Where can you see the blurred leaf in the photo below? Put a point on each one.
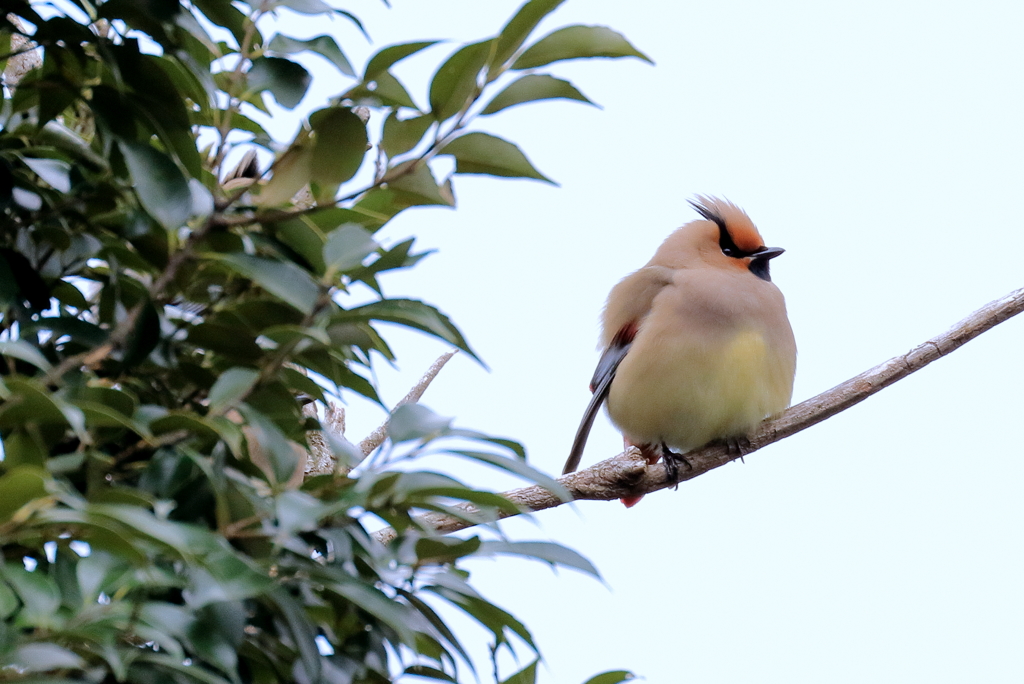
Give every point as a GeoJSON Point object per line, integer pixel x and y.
{"type": "Point", "coordinates": [18, 486]}
{"type": "Point", "coordinates": [384, 90]}
{"type": "Point", "coordinates": [323, 45]}
{"type": "Point", "coordinates": [43, 657]}
{"type": "Point", "coordinates": [39, 594]}
{"type": "Point", "coordinates": [280, 278]}
{"type": "Point", "coordinates": [30, 403]}
{"type": "Point", "coordinates": [410, 313]}
{"type": "Point", "coordinates": [303, 633]}
{"type": "Point", "coordinates": [402, 135]}
{"type": "Point", "coordinates": [304, 236]}
{"type": "Point", "coordinates": [519, 468]}
{"type": "Point", "coordinates": [416, 421]}
{"type": "Point", "coordinates": [487, 154]}
{"type": "Point", "coordinates": [346, 247]}
{"type": "Point", "coordinates": [161, 187]}
{"type": "Point", "coordinates": [20, 349]}
{"type": "Point", "coordinates": [445, 549]}
{"type": "Point", "coordinates": [533, 87]}
{"type": "Point", "coordinates": [290, 174]}
{"type": "Point", "coordinates": [264, 437]}
{"type": "Point", "coordinates": [418, 187]}
{"type": "Point", "coordinates": [340, 144]}
{"type": "Point", "coordinates": [554, 554]}
{"type": "Point", "coordinates": [28, 284]}
{"type": "Point", "coordinates": [232, 385]}
{"type": "Point", "coordinates": [519, 28]}
{"type": "Point", "coordinates": [429, 673]}
{"type": "Point", "coordinates": [487, 614]}
{"type": "Point", "coordinates": [611, 677]}
{"type": "Point", "coordinates": [577, 42]}
{"type": "Point", "coordinates": [456, 80]}
{"type": "Point", "coordinates": [55, 172]}
{"type": "Point", "coordinates": [528, 675]}
{"type": "Point", "coordinates": [284, 78]}
{"type": "Point", "coordinates": [385, 58]}
{"type": "Point", "coordinates": [144, 337]}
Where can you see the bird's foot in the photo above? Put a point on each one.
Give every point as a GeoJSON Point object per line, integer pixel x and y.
{"type": "Point", "coordinates": [738, 447]}
{"type": "Point", "coordinates": [672, 460]}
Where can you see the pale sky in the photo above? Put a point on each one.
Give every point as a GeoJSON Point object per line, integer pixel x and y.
{"type": "Point", "coordinates": [880, 144]}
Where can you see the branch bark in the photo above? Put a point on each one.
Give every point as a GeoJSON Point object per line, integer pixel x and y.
{"type": "Point", "coordinates": [628, 474]}
{"type": "Point", "coordinates": [377, 437]}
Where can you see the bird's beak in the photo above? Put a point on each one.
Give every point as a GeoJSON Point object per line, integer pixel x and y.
{"type": "Point", "coordinates": [767, 253]}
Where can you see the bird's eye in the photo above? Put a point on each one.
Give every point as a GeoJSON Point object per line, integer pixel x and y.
{"type": "Point", "coordinates": [726, 243]}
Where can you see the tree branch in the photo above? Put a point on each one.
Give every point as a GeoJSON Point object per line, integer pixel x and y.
{"type": "Point", "coordinates": [628, 474]}
{"type": "Point", "coordinates": [377, 437]}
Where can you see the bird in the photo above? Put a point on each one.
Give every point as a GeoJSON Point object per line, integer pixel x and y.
{"type": "Point", "coordinates": [696, 345]}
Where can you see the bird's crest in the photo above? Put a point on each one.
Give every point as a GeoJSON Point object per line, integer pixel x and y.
{"type": "Point", "coordinates": [730, 219]}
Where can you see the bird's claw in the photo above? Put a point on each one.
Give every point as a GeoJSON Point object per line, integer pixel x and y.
{"type": "Point", "coordinates": [672, 460]}
{"type": "Point", "coordinates": [737, 447]}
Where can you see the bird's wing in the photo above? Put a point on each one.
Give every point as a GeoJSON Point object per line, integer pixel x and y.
{"type": "Point", "coordinates": [602, 382]}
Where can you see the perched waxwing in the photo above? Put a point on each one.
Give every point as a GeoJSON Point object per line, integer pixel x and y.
{"type": "Point", "coordinates": [696, 344]}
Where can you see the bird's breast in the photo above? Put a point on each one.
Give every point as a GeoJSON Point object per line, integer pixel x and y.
{"type": "Point", "coordinates": [686, 389]}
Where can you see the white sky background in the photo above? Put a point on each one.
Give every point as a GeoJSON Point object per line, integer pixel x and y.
{"type": "Point", "coordinates": [880, 144]}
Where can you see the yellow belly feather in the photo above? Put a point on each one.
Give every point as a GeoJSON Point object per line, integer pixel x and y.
{"type": "Point", "coordinates": [687, 394]}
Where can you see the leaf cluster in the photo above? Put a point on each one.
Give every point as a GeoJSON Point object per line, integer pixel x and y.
{"type": "Point", "coordinates": [165, 324]}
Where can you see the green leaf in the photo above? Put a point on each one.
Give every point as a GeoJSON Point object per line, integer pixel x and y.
{"type": "Point", "coordinates": [162, 188]}
{"type": "Point", "coordinates": [224, 14]}
{"type": "Point", "coordinates": [232, 385]}
{"type": "Point", "coordinates": [520, 468]}
{"type": "Point", "coordinates": [39, 594]}
{"type": "Point", "coordinates": [416, 421]}
{"type": "Point", "coordinates": [19, 486]}
{"type": "Point", "coordinates": [323, 45]}
{"type": "Point", "coordinates": [55, 172]}
{"type": "Point", "coordinates": [456, 80]}
{"type": "Point", "coordinates": [402, 135]}
{"type": "Point", "coordinates": [445, 549]}
{"type": "Point", "coordinates": [418, 186]}
{"type": "Point", "coordinates": [533, 87]}
{"type": "Point", "coordinates": [488, 154]}
{"type": "Point", "coordinates": [271, 441]}
{"type": "Point", "coordinates": [611, 677]}
{"type": "Point", "coordinates": [577, 42]}
{"type": "Point", "coordinates": [303, 633]}
{"type": "Point", "coordinates": [429, 673]}
{"type": "Point", "coordinates": [347, 246]}
{"type": "Point", "coordinates": [386, 57]}
{"type": "Point", "coordinates": [373, 601]}
{"type": "Point", "coordinates": [20, 349]}
{"type": "Point", "coordinates": [284, 78]}
{"type": "Point", "coordinates": [519, 28]}
{"type": "Point", "coordinates": [280, 278]}
{"type": "Point", "coordinates": [487, 614]}
{"type": "Point", "coordinates": [240, 122]}
{"type": "Point", "coordinates": [29, 402]}
{"type": "Point", "coordinates": [384, 90]}
{"type": "Point", "coordinates": [528, 675]}
{"type": "Point", "coordinates": [412, 314]}
{"type": "Point", "coordinates": [291, 173]}
{"type": "Point", "coordinates": [549, 552]}
{"type": "Point", "coordinates": [183, 420]}
{"type": "Point", "coordinates": [339, 145]}
{"type": "Point", "coordinates": [43, 657]}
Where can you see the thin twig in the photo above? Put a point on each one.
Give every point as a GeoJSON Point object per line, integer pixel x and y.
{"type": "Point", "coordinates": [628, 474]}
{"type": "Point", "coordinates": [377, 437]}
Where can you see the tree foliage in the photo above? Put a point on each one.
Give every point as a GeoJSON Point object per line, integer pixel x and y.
{"type": "Point", "coordinates": [165, 324]}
